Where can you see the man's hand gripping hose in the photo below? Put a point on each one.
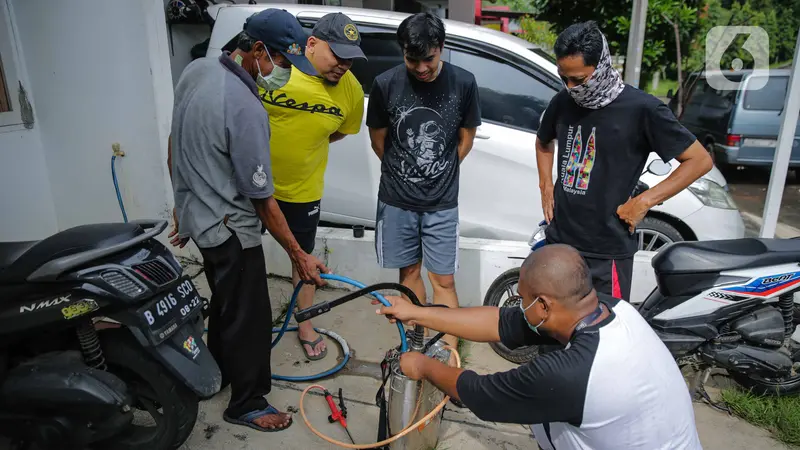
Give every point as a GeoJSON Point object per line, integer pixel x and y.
{"type": "Point", "coordinates": [403, 432]}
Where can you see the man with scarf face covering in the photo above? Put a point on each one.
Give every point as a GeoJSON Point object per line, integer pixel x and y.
{"type": "Point", "coordinates": [605, 131]}
{"type": "Point", "coordinates": [219, 162]}
{"type": "Point", "coordinates": [614, 386]}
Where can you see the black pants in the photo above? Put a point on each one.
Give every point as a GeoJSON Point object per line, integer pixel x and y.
{"type": "Point", "coordinates": [240, 322]}
{"type": "Point", "coordinates": [612, 276]}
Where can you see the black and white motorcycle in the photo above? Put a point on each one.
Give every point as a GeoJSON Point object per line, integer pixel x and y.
{"type": "Point", "coordinates": [718, 304]}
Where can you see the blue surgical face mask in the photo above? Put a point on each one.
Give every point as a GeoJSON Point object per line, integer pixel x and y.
{"type": "Point", "coordinates": [534, 328]}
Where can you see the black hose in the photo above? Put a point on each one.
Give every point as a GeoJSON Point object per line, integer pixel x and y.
{"type": "Point", "coordinates": [376, 287]}
{"type": "Point", "coordinates": [417, 336]}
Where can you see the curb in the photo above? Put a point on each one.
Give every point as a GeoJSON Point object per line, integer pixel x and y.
{"type": "Point", "coordinates": [782, 230]}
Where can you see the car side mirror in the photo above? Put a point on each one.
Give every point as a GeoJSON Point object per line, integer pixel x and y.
{"type": "Point", "coordinates": [670, 93]}
{"type": "Point", "coordinates": [659, 167]}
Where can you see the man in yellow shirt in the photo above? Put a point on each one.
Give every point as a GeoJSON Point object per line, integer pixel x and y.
{"type": "Point", "coordinates": [306, 115]}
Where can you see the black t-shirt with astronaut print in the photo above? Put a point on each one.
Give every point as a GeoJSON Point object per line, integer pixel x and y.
{"type": "Point", "coordinates": [419, 171]}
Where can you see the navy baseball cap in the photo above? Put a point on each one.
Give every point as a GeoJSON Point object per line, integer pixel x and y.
{"type": "Point", "coordinates": [341, 35]}
{"type": "Point", "coordinates": [279, 30]}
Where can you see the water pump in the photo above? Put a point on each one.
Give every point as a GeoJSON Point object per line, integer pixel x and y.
{"type": "Point", "coordinates": [410, 415]}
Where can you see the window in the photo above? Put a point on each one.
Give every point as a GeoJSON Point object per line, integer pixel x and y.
{"type": "Point", "coordinates": [11, 91]}
{"type": "Point", "coordinates": [5, 99]}
{"type": "Point", "coordinates": [543, 54]}
{"type": "Point", "coordinates": [771, 97]}
{"type": "Point", "coordinates": [382, 51]}
{"type": "Point", "coordinates": [508, 95]}
{"type": "Point", "coordinates": [720, 99]}
{"type": "Point", "coordinates": [698, 94]}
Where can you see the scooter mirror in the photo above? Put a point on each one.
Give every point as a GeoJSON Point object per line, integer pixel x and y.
{"type": "Point", "coordinates": [659, 167]}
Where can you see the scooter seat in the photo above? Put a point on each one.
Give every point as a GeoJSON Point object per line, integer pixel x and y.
{"type": "Point", "coordinates": [686, 268]}
{"type": "Point", "coordinates": [20, 259]}
{"type": "Point", "coordinates": [725, 255]}
{"type": "Point", "coordinates": [11, 251]}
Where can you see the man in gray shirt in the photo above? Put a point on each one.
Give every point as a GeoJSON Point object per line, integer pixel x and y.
{"type": "Point", "coordinates": [222, 181]}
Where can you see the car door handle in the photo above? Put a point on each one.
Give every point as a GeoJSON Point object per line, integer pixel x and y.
{"type": "Point", "coordinates": [481, 136]}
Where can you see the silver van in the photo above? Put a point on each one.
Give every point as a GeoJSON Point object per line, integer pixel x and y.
{"type": "Point", "coordinates": [739, 127]}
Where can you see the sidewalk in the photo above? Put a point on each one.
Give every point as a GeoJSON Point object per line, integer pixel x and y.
{"type": "Point", "coordinates": [369, 337]}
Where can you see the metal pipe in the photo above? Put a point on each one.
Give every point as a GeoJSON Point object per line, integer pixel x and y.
{"type": "Point", "coordinates": [633, 56]}
{"type": "Point", "coordinates": [783, 151]}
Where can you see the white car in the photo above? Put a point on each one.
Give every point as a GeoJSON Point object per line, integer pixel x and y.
{"type": "Point", "coordinates": [499, 188]}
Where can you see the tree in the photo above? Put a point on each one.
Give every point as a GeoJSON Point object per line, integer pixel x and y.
{"type": "Point", "coordinates": [538, 32]}
{"type": "Point", "coordinates": [614, 19]}
{"type": "Point", "coordinates": [679, 17]}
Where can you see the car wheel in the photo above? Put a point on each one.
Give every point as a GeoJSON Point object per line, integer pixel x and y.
{"type": "Point", "coordinates": [653, 234]}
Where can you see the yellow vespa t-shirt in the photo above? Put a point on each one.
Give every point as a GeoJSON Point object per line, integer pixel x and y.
{"type": "Point", "coordinates": [302, 116]}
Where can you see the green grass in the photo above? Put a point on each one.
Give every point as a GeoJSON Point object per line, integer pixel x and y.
{"type": "Point", "coordinates": [779, 415]}
{"type": "Point", "coordinates": [463, 352]}
{"type": "Point", "coordinates": [663, 87]}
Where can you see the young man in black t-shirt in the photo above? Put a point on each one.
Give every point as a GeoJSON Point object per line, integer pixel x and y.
{"type": "Point", "coordinates": [422, 117]}
{"type": "Point", "coordinates": [605, 131]}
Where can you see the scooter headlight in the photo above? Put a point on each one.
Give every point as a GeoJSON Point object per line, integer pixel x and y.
{"type": "Point", "coordinates": [712, 194]}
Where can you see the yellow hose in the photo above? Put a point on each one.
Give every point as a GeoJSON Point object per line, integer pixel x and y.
{"type": "Point", "coordinates": [402, 433]}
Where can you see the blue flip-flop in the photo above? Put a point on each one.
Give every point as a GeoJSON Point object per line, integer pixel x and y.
{"type": "Point", "coordinates": [248, 419]}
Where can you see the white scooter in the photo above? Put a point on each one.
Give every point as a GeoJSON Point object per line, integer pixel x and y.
{"type": "Point", "coordinates": [724, 303]}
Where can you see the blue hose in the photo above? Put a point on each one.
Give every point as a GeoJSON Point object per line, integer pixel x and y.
{"type": "Point", "coordinates": [116, 188]}
{"type": "Point", "coordinates": [290, 311]}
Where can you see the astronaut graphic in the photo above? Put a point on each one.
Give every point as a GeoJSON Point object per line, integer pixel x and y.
{"type": "Point", "coordinates": [424, 140]}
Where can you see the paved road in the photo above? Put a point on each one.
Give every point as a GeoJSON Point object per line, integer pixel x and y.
{"type": "Point", "coordinates": [748, 187]}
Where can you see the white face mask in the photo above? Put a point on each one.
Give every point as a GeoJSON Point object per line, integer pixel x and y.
{"type": "Point", "coordinates": [276, 79]}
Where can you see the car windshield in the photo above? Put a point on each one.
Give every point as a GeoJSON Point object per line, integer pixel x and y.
{"type": "Point", "coordinates": [768, 98]}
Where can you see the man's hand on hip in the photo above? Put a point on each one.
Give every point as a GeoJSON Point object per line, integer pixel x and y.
{"type": "Point", "coordinates": [547, 201]}
{"type": "Point", "coordinates": [632, 212]}
{"type": "Point", "coordinates": [309, 267]}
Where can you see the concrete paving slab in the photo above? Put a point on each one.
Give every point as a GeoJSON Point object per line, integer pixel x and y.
{"type": "Point", "coordinates": [369, 337]}
{"type": "Point", "coordinates": [721, 431]}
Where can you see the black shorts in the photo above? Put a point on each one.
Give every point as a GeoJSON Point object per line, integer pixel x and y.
{"type": "Point", "coordinates": [303, 219]}
{"type": "Point", "coordinates": [612, 276]}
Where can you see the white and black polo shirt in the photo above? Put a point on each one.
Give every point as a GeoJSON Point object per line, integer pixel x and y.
{"type": "Point", "coordinates": [615, 386]}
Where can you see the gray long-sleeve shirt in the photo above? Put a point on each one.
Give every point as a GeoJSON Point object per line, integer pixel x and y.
{"type": "Point", "coordinates": [220, 153]}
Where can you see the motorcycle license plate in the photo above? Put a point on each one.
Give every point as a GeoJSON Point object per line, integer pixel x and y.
{"type": "Point", "coordinates": [168, 312]}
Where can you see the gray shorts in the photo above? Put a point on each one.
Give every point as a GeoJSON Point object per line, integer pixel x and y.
{"type": "Point", "coordinates": [404, 238]}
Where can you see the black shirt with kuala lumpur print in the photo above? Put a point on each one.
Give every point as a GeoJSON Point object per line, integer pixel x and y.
{"type": "Point", "coordinates": [601, 155]}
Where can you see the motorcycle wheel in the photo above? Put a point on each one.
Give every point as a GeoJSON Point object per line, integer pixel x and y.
{"type": "Point", "coordinates": [496, 296]}
{"type": "Point", "coordinates": [768, 387]}
{"type": "Point", "coordinates": [171, 404]}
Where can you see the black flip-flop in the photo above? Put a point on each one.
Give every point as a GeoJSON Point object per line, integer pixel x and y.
{"type": "Point", "coordinates": [303, 344]}
{"type": "Point", "coordinates": [248, 419]}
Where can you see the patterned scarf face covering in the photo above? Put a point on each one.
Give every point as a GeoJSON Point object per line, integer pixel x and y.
{"type": "Point", "coordinates": [602, 87]}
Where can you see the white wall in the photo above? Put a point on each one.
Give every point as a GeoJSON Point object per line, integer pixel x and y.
{"type": "Point", "coordinates": [96, 73]}
{"type": "Point", "coordinates": [27, 206]}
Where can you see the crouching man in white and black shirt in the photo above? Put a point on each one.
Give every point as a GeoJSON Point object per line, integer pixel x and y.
{"type": "Point", "coordinates": [614, 386]}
